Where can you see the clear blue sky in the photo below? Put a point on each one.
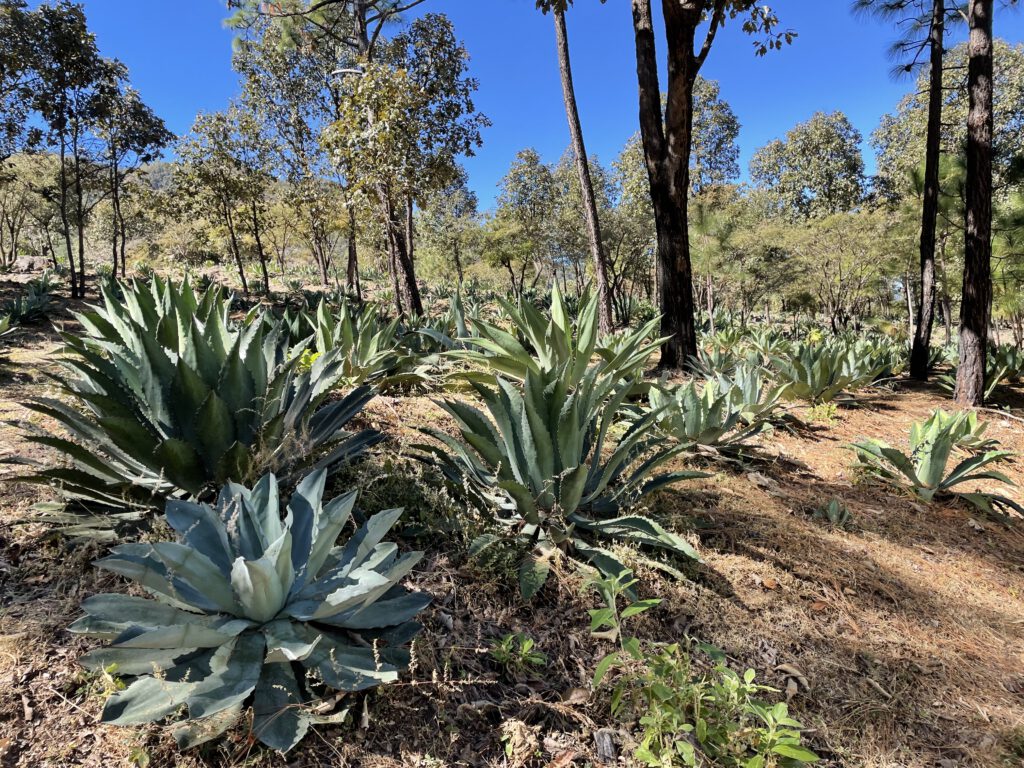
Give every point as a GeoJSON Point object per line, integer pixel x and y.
{"type": "Point", "coordinates": [181, 63]}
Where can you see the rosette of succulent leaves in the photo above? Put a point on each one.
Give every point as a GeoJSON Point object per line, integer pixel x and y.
{"type": "Point", "coordinates": [249, 607]}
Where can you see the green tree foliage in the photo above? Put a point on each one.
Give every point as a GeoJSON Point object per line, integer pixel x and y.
{"type": "Point", "coordinates": [449, 228]}
{"type": "Point", "coordinates": [519, 236]}
{"type": "Point", "coordinates": [714, 158]}
{"type": "Point", "coordinates": [404, 118]}
{"type": "Point", "coordinates": [17, 30]}
{"type": "Point", "coordinates": [222, 169]}
{"type": "Point", "coordinates": [817, 170]}
{"type": "Point", "coordinates": [899, 138]}
{"type": "Point", "coordinates": [61, 97]}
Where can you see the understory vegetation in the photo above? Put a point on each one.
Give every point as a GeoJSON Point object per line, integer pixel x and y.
{"type": "Point", "coordinates": [308, 456]}
{"type": "Point", "coordinates": [553, 441]}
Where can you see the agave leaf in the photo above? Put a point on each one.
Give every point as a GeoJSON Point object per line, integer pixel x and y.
{"type": "Point", "coordinates": [182, 465]}
{"type": "Point", "coordinates": [116, 613]}
{"type": "Point", "coordinates": [234, 671]}
{"type": "Point", "coordinates": [192, 733]}
{"type": "Point", "coordinates": [280, 718]}
{"type": "Point", "coordinates": [285, 644]}
{"type": "Point", "coordinates": [134, 661]}
{"type": "Point", "coordinates": [533, 572]}
{"type": "Point", "coordinates": [258, 586]}
{"type": "Point", "coordinates": [345, 667]}
{"type": "Point", "coordinates": [187, 635]}
{"type": "Point", "coordinates": [397, 610]}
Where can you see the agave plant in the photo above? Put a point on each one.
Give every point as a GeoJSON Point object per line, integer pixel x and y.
{"type": "Point", "coordinates": [703, 417]}
{"type": "Point", "coordinates": [243, 600]}
{"type": "Point", "coordinates": [367, 347]}
{"type": "Point", "coordinates": [768, 343]}
{"type": "Point", "coordinates": [1011, 358]}
{"type": "Point", "coordinates": [819, 373]}
{"type": "Point", "coordinates": [568, 342]}
{"type": "Point", "coordinates": [964, 428]}
{"type": "Point", "coordinates": [539, 458]}
{"type": "Point", "coordinates": [726, 339]}
{"type": "Point", "coordinates": [715, 362]}
{"type": "Point", "coordinates": [996, 372]}
{"type": "Point", "coordinates": [881, 355]}
{"type": "Point", "coordinates": [748, 393]}
{"type": "Point", "coordinates": [176, 400]}
{"type": "Point", "coordinates": [7, 326]}
{"type": "Point", "coordinates": [923, 472]}
{"type": "Point", "coordinates": [34, 304]}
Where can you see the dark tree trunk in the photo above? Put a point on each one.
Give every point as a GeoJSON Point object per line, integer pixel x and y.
{"type": "Point", "coordinates": [403, 240]}
{"type": "Point", "coordinates": [976, 305]}
{"type": "Point", "coordinates": [930, 204]}
{"type": "Point", "coordinates": [908, 290]}
{"type": "Point", "coordinates": [259, 246]}
{"type": "Point", "coordinates": [352, 271]}
{"type": "Point", "coordinates": [64, 220]}
{"type": "Point", "coordinates": [80, 216]}
{"type": "Point", "coordinates": [457, 256]}
{"type": "Point", "coordinates": [604, 299]}
{"type": "Point", "coordinates": [667, 153]}
{"type": "Point", "coordinates": [947, 302]}
{"type": "Point", "coordinates": [115, 224]}
{"type": "Point", "coordinates": [235, 250]}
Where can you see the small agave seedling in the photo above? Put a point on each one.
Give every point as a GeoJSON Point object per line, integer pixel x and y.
{"type": "Point", "coordinates": [248, 605]}
{"type": "Point", "coordinates": [835, 513]}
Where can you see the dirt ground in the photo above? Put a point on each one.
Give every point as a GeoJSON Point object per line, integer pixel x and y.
{"type": "Point", "coordinates": [908, 627]}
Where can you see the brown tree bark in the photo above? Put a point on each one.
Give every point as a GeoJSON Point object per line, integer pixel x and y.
{"type": "Point", "coordinates": [235, 250]}
{"type": "Point", "coordinates": [259, 246]}
{"type": "Point", "coordinates": [590, 216]}
{"type": "Point", "coordinates": [930, 204]}
{"type": "Point", "coordinates": [352, 272]}
{"type": "Point", "coordinates": [976, 305]}
{"type": "Point", "coordinates": [667, 145]}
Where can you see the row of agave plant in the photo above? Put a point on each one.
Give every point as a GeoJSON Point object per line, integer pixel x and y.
{"type": "Point", "coordinates": [174, 405]}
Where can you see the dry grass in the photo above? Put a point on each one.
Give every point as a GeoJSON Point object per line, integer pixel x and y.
{"type": "Point", "coordinates": [909, 628]}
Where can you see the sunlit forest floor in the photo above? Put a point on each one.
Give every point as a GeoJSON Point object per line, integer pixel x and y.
{"type": "Point", "coordinates": [900, 640]}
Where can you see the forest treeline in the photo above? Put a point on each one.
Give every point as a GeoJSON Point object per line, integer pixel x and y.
{"type": "Point", "coordinates": [339, 162]}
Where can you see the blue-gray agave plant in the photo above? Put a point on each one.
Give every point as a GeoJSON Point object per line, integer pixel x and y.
{"type": "Point", "coordinates": [247, 605]}
{"type": "Point", "coordinates": [542, 342]}
{"type": "Point", "coordinates": [540, 457]}
{"type": "Point", "coordinates": [176, 399]}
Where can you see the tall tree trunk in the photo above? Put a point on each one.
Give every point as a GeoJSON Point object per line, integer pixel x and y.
{"type": "Point", "coordinates": [604, 298]}
{"type": "Point", "coordinates": [404, 237]}
{"type": "Point", "coordinates": [458, 262]}
{"type": "Point", "coordinates": [396, 285]}
{"type": "Point", "coordinates": [259, 246]}
{"type": "Point", "coordinates": [116, 231]}
{"type": "Point", "coordinates": [65, 222]}
{"type": "Point", "coordinates": [667, 144]}
{"type": "Point", "coordinates": [930, 204]}
{"type": "Point", "coordinates": [235, 250]}
{"type": "Point", "coordinates": [947, 302]}
{"type": "Point", "coordinates": [352, 271]}
{"type": "Point", "coordinates": [124, 237]}
{"type": "Point", "coordinates": [908, 291]}
{"type": "Point", "coordinates": [80, 216]}
{"type": "Point", "coordinates": [976, 305]}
